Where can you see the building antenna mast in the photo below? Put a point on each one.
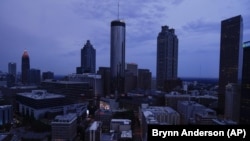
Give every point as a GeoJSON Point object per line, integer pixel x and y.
{"type": "Point", "coordinates": [118, 10]}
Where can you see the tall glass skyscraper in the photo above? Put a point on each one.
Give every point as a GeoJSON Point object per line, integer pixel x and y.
{"type": "Point", "coordinates": [245, 89]}
{"type": "Point", "coordinates": [117, 57]}
{"type": "Point", "coordinates": [25, 67]}
{"type": "Point", "coordinates": [167, 57]}
{"type": "Point", "coordinates": [88, 58]}
{"type": "Point", "coordinates": [230, 68]}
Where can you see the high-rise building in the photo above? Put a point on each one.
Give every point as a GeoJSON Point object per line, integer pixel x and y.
{"type": "Point", "coordinates": [25, 67]}
{"type": "Point", "coordinates": [105, 75]}
{"type": "Point", "coordinates": [144, 79]}
{"type": "Point", "coordinates": [47, 75]}
{"type": "Point", "coordinates": [12, 68]}
{"type": "Point", "coordinates": [245, 89]}
{"type": "Point", "coordinates": [230, 67]}
{"type": "Point", "coordinates": [88, 59]}
{"type": "Point", "coordinates": [34, 76]}
{"type": "Point", "coordinates": [131, 73]}
{"type": "Point", "coordinates": [12, 72]}
{"type": "Point", "coordinates": [167, 57]}
{"type": "Point", "coordinates": [117, 57]}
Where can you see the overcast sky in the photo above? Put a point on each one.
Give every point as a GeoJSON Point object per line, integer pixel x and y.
{"type": "Point", "coordinates": [54, 31]}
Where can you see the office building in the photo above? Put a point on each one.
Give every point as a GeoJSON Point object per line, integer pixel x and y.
{"type": "Point", "coordinates": [131, 73]}
{"type": "Point", "coordinates": [6, 114]}
{"type": "Point", "coordinates": [230, 67]}
{"type": "Point", "coordinates": [73, 90]}
{"type": "Point", "coordinates": [34, 76]}
{"type": "Point", "coordinates": [117, 57]}
{"type": "Point", "coordinates": [64, 127]}
{"type": "Point", "coordinates": [38, 102]}
{"type": "Point", "coordinates": [156, 115]}
{"type": "Point", "coordinates": [88, 59]}
{"type": "Point", "coordinates": [25, 67]}
{"type": "Point", "coordinates": [144, 79]}
{"type": "Point", "coordinates": [94, 132]}
{"type": "Point", "coordinates": [232, 102]}
{"type": "Point", "coordinates": [167, 59]}
{"type": "Point", "coordinates": [47, 75]}
{"type": "Point", "coordinates": [245, 89]}
{"type": "Point", "coordinates": [94, 81]}
{"type": "Point", "coordinates": [12, 70]}
{"type": "Point", "coordinates": [105, 75]}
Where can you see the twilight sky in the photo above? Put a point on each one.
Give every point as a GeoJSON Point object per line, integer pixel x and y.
{"type": "Point", "coordinates": [54, 31]}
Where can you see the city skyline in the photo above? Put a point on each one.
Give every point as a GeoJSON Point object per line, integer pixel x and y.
{"type": "Point", "coordinates": [60, 29]}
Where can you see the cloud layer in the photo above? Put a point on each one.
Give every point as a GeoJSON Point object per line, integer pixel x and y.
{"type": "Point", "coordinates": [54, 32]}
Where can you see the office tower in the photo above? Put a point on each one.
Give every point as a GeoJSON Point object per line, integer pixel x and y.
{"type": "Point", "coordinates": [131, 70]}
{"type": "Point", "coordinates": [117, 57]}
{"type": "Point", "coordinates": [144, 79]}
{"type": "Point", "coordinates": [47, 75]}
{"type": "Point", "coordinates": [6, 115]}
{"type": "Point", "coordinates": [12, 73]}
{"type": "Point", "coordinates": [34, 76]}
{"type": "Point", "coordinates": [132, 67]}
{"type": "Point", "coordinates": [167, 58]}
{"type": "Point", "coordinates": [88, 59]}
{"type": "Point", "coordinates": [64, 127]}
{"type": "Point", "coordinates": [12, 68]}
{"type": "Point", "coordinates": [105, 75]}
{"type": "Point", "coordinates": [245, 89]}
{"type": "Point", "coordinates": [230, 67]}
{"type": "Point", "coordinates": [25, 67]}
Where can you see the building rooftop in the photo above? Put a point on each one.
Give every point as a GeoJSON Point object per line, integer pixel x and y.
{"type": "Point", "coordinates": [40, 94]}
{"type": "Point", "coordinates": [126, 134]}
{"type": "Point", "coordinates": [68, 118]}
{"type": "Point", "coordinates": [5, 106]}
{"type": "Point", "coordinates": [124, 121]}
{"type": "Point", "coordinates": [63, 82]}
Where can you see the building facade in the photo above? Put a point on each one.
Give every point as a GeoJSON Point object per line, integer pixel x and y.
{"type": "Point", "coordinates": [64, 127]}
{"type": "Point", "coordinates": [245, 89]}
{"type": "Point", "coordinates": [230, 67]}
{"type": "Point", "coordinates": [25, 67]}
{"type": "Point", "coordinates": [232, 102]}
{"type": "Point", "coordinates": [34, 76]}
{"type": "Point", "coordinates": [117, 57]}
{"type": "Point", "coordinates": [47, 75]}
{"type": "Point", "coordinates": [12, 70]}
{"type": "Point", "coordinates": [167, 57]}
{"type": "Point", "coordinates": [6, 114]}
{"type": "Point", "coordinates": [88, 59]}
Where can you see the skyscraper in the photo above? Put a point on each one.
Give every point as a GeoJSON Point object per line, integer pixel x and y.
{"type": "Point", "coordinates": [167, 58]}
{"type": "Point", "coordinates": [230, 68]}
{"type": "Point", "coordinates": [117, 57]}
{"type": "Point", "coordinates": [12, 70]}
{"type": "Point", "coordinates": [25, 67]}
{"type": "Point", "coordinates": [245, 89]}
{"type": "Point", "coordinates": [88, 58]}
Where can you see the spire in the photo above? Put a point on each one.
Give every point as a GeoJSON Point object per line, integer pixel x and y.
{"type": "Point", "coordinates": [118, 10]}
{"type": "Point", "coordinates": [25, 54]}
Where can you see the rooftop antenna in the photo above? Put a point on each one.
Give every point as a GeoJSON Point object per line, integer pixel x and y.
{"type": "Point", "coordinates": [118, 10]}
